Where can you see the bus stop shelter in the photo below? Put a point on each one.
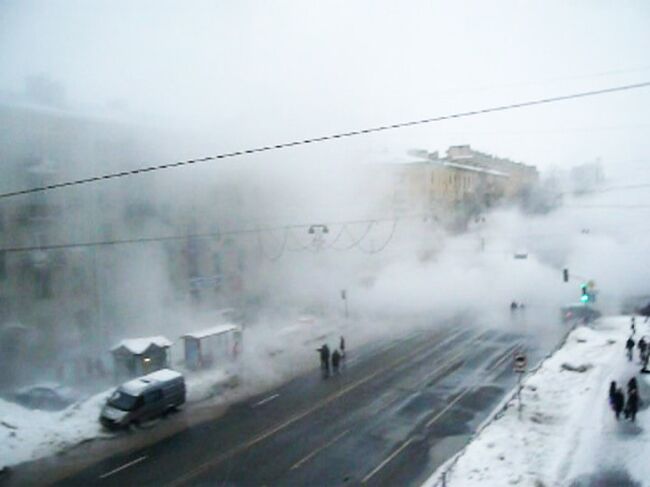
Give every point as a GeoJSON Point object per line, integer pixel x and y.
{"type": "Point", "coordinates": [215, 346]}
{"type": "Point", "coordinates": [134, 357]}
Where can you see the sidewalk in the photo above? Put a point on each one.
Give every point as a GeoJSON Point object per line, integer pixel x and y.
{"type": "Point", "coordinates": [566, 434]}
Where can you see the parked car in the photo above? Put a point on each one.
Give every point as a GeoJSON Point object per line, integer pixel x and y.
{"type": "Point", "coordinates": [144, 398]}
{"type": "Point", "coordinates": [47, 396]}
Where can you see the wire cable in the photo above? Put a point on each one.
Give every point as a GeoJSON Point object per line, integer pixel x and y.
{"type": "Point", "coordinates": [355, 243]}
{"type": "Point", "coordinates": [280, 252]}
{"type": "Point", "coordinates": [172, 238]}
{"type": "Point", "coordinates": [325, 138]}
{"type": "Point", "coordinates": [382, 246]}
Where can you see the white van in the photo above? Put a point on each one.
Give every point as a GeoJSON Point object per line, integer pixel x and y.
{"type": "Point", "coordinates": [144, 398]}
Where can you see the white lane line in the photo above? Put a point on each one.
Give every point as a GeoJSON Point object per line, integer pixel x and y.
{"type": "Point", "coordinates": [119, 469]}
{"type": "Point", "coordinates": [382, 464]}
{"type": "Point", "coordinates": [319, 449]}
{"type": "Point", "coordinates": [264, 401]}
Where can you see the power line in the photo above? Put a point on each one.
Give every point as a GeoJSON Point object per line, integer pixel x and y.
{"type": "Point", "coordinates": [326, 138]}
{"type": "Point", "coordinates": [171, 238]}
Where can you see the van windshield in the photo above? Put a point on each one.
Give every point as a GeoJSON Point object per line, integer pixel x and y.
{"type": "Point", "coordinates": [123, 401]}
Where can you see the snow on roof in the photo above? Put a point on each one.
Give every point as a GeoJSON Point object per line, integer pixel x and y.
{"type": "Point", "coordinates": [215, 330]}
{"type": "Point", "coordinates": [138, 346]}
{"type": "Point", "coordinates": [136, 386]}
{"type": "Point", "coordinates": [465, 167]}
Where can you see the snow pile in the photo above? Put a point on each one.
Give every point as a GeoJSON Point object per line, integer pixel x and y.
{"type": "Point", "coordinates": [566, 433]}
{"type": "Point", "coordinates": [27, 434]}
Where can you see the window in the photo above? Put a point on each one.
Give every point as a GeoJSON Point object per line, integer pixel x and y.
{"type": "Point", "coordinates": [153, 396]}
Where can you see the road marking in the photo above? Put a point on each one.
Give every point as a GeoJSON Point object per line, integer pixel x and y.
{"type": "Point", "coordinates": [382, 464]}
{"type": "Point", "coordinates": [119, 469]}
{"type": "Point", "coordinates": [264, 401]}
{"type": "Point", "coordinates": [463, 394]}
{"type": "Point", "coordinates": [219, 458]}
{"type": "Point", "coordinates": [437, 416]}
{"type": "Point", "coordinates": [319, 449]}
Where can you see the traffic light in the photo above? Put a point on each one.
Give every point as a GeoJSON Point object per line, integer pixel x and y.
{"type": "Point", "coordinates": [585, 294]}
{"type": "Point", "coordinates": [565, 275]}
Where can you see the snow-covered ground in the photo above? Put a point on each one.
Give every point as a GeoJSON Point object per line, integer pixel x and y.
{"type": "Point", "coordinates": [27, 434]}
{"type": "Point", "coordinates": [566, 432]}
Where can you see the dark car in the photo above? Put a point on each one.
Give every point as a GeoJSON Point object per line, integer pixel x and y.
{"type": "Point", "coordinates": [50, 397]}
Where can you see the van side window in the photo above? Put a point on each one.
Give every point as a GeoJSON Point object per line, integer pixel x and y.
{"type": "Point", "coordinates": [153, 396]}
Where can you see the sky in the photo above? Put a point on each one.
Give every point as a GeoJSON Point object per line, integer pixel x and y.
{"type": "Point", "coordinates": [239, 74]}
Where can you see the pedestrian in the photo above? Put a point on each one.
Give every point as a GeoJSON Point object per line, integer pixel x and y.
{"type": "Point", "coordinates": [324, 358]}
{"type": "Point", "coordinates": [342, 346]}
{"type": "Point", "coordinates": [644, 359]}
{"type": "Point", "coordinates": [642, 345]}
{"type": "Point", "coordinates": [612, 391]}
{"type": "Point", "coordinates": [619, 401]}
{"type": "Point", "coordinates": [633, 325]}
{"type": "Point", "coordinates": [336, 359]}
{"type": "Point", "coordinates": [632, 404]}
{"type": "Point", "coordinates": [629, 346]}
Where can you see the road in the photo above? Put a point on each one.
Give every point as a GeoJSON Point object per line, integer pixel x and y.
{"type": "Point", "coordinates": [393, 414]}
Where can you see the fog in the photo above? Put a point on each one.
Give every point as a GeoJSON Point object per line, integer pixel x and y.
{"type": "Point", "coordinates": [89, 89]}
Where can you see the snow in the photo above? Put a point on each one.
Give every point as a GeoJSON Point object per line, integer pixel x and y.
{"type": "Point", "coordinates": [215, 330]}
{"type": "Point", "coordinates": [163, 375]}
{"type": "Point", "coordinates": [27, 434]}
{"type": "Point", "coordinates": [136, 386]}
{"type": "Point", "coordinates": [138, 346]}
{"type": "Point", "coordinates": [566, 433]}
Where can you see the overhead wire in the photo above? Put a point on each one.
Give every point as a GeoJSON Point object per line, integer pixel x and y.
{"type": "Point", "coordinates": [325, 138]}
{"type": "Point", "coordinates": [384, 245]}
{"type": "Point", "coordinates": [356, 242]}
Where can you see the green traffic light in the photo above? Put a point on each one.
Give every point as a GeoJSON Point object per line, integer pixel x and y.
{"type": "Point", "coordinates": [584, 298]}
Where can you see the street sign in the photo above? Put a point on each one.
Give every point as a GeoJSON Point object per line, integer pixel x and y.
{"type": "Point", "coordinates": [520, 363]}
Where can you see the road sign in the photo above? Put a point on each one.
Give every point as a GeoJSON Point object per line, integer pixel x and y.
{"type": "Point", "coordinates": [520, 363]}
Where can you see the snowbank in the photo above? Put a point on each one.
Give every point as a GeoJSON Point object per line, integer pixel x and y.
{"type": "Point", "coordinates": [566, 433]}
{"type": "Point", "coordinates": [27, 434]}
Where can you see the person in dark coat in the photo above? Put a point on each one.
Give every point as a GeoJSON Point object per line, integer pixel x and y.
{"type": "Point", "coordinates": [612, 391]}
{"type": "Point", "coordinates": [632, 404]}
{"type": "Point", "coordinates": [324, 357]}
{"type": "Point", "coordinates": [642, 345]}
{"type": "Point", "coordinates": [342, 346]}
{"type": "Point", "coordinates": [619, 402]}
{"type": "Point", "coordinates": [629, 346]}
{"type": "Point", "coordinates": [336, 360]}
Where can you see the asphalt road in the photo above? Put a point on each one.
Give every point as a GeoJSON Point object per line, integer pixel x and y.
{"type": "Point", "coordinates": [390, 417]}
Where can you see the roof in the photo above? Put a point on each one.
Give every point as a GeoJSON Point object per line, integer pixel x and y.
{"type": "Point", "coordinates": [215, 330]}
{"type": "Point", "coordinates": [483, 170]}
{"type": "Point", "coordinates": [136, 386]}
{"type": "Point", "coordinates": [138, 346]}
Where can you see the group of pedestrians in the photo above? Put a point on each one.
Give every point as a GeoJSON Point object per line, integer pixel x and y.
{"type": "Point", "coordinates": [643, 345]}
{"type": "Point", "coordinates": [618, 402]}
{"type": "Point", "coordinates": [336, 357]}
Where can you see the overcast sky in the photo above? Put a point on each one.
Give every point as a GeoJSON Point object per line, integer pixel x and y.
{"type": "Point", "coordinates": [244, 73]}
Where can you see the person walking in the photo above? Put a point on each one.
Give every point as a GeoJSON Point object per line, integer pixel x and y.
{"type": "Point", "coordinates": [632, 404]}
{"type": "Point", "coordinates": [633, 325]}
{"type": "Point", "coordinates": [619, 402]}
{"type": "Point", "coordinates": [324, 358]}
{"type": "Point", "coordinates": [342, 346]}
{"type": "Point", "coordinates": [629, 346]}
{"type": "Point", "coordinates": [612, 391]}
{"type": "Point", "coordinates": [336, 360]}
{"type": "Point", "coordinates": [642, 345]}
